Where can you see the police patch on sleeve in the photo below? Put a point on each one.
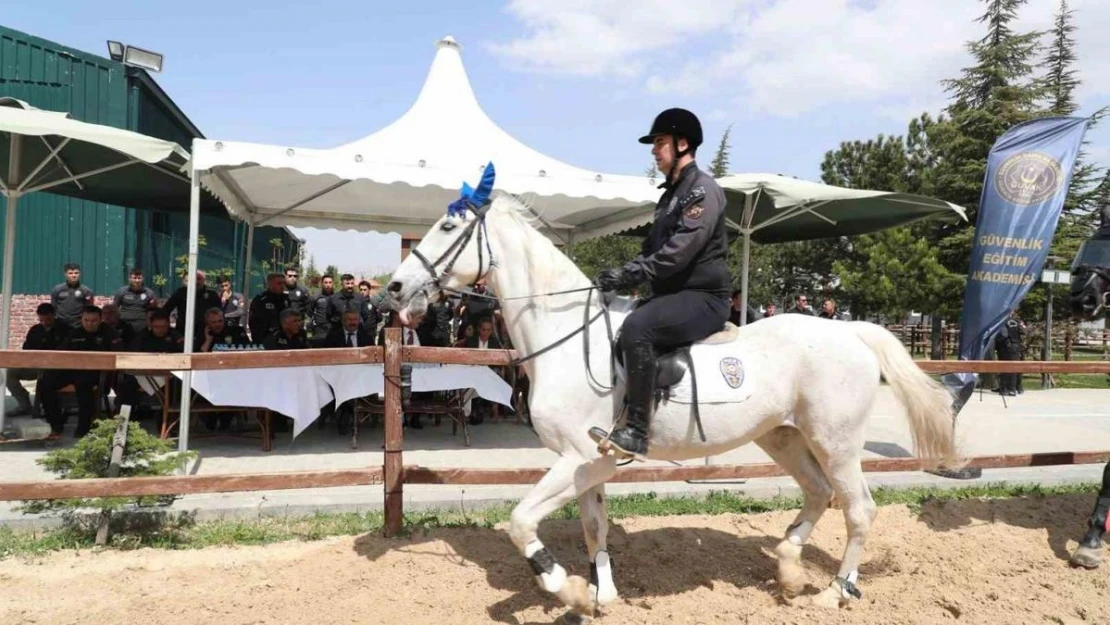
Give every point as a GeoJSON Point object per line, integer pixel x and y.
{"type": "Point", "coordinates": [694, 212]}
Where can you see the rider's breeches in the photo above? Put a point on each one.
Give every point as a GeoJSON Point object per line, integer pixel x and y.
{"type": "Point", "coordinates": [674, 319]}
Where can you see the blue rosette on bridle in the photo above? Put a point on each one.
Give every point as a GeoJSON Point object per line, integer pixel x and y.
{"type": "Point", "coordinates": [473, 199]}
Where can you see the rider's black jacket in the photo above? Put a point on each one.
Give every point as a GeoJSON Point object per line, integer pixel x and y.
{"type": "Point", "coordinates": [687, 247]}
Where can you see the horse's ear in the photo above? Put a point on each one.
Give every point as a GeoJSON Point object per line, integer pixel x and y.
{"type": "Point", "coordinates": [485, 187]}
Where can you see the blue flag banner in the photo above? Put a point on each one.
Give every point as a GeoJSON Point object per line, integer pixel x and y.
{"type": "Point", "coordinates": [1029, 170]}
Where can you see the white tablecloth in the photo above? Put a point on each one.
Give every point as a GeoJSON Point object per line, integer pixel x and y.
{"type": "Point", "coordinates": [300, 392]}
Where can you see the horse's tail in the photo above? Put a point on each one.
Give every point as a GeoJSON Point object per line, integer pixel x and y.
{"type": "Point", "coordinates": [928, 404]}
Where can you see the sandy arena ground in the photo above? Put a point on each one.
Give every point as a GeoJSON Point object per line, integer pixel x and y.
{"type": "Point", "coordinates": [968, 562]}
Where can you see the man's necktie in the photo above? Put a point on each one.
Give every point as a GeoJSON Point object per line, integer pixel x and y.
{"type": "Point", "coordinates": [351, 339]}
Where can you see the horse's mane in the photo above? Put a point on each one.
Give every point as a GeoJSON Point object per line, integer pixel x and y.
{"type": "Point", "coordinates": [517, 206]}
{"type": "Point", "coordinates": [520, 210]}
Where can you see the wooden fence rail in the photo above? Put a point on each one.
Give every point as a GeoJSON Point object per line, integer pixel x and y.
{"type": "Point", "coordinates": [392, 475]}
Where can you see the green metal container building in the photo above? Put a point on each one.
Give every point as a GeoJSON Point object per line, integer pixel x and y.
{"type": "Point", "coordinates": [106, 240]}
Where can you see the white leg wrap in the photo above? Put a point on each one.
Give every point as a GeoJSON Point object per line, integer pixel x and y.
{"type": "Point", "coordinates": [605, 591]}
{"type": "Point", "coordinates": [553, 580]}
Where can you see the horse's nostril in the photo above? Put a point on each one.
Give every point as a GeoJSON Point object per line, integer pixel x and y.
{"type": "Point", "coordinates": [394, 287]}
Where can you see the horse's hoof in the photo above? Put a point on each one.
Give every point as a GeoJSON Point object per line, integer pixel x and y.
{"type": "Point", "coordinates": [829, 598]}
{"type": "Point", "coordinates": [575, 594]}
{"type": "Point", "coordinates": [1087, 557]}
{"type": "Point", "coordinates": [791, 575]}
{"type": "Point", "coordinates": [573, 618]}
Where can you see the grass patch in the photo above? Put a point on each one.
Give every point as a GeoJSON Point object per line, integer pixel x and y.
{"type": "Point", "coordinates": [182, 533]}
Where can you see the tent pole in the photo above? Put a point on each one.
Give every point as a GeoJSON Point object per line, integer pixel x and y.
{"type": "Point", "coordinates": [190, 309]}
{"type": "Point", "coordinates": [745, 226]}
{"type": "Point", "coordinates": [744, 278]}
{"type": "Point", "coordinates": [9, 260]}
{"type": "Point", "coordinates": [248, 259]}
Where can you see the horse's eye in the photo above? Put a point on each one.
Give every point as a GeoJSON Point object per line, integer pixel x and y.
{"type": "Point", "coordinates": [447, 226]}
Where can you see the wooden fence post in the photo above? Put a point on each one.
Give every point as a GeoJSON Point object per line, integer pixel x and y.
{"type": "Point", "coordinates": [393, 469]}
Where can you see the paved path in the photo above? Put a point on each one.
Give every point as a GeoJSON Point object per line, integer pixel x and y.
{"type": "Point", "coordinates": [1038, 421]}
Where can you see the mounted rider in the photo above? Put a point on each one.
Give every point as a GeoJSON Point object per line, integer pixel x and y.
{"type": "Point", "coordinates": [685, 257]}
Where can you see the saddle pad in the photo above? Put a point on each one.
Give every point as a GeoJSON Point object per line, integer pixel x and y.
{"type": "Point", "coordinates": [720, 374]}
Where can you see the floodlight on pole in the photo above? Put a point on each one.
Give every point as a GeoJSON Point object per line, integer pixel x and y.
{"type": "Point", "coordinates": [115, 50]}
{"type": "Point", "coordinates": [135, 57]}
{"type": "Point", "coordinates": [138, 57]}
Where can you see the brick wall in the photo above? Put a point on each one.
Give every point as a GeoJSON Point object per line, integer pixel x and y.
{"type": "Point", "coordinates": [23, 315]}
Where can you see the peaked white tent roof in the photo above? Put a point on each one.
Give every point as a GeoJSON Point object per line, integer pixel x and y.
{"type": "Point", "coordinates": [402, 177]}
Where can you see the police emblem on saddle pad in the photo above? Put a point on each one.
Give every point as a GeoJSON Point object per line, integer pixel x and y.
{"type": "Point", "coordinates": [733, 371]}
{"type": "Point", "coordinates": [727, 385]}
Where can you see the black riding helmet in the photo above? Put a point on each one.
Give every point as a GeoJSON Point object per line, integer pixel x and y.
{"type": "Point", "coordinates": [679, 123]}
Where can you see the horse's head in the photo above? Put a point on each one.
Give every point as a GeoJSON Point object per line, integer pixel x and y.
{"type": "Point", "coordinates": [454, 253]}
{"type": "Point", "coordinates": [1090, 279]}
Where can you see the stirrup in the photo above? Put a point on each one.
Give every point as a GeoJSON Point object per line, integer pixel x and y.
{"type": "Point", "coordinates": [606, 447]}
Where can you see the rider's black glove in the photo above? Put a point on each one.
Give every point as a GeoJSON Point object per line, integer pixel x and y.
{"type": "Point", "coordinates": [612, 279]}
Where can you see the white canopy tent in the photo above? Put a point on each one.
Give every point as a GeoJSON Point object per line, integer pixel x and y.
{"type": "Point", "coordinates": [402, 177]}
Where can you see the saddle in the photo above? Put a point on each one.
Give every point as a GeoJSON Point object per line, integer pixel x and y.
{"type": "Point", "coordinates": [672, 363]}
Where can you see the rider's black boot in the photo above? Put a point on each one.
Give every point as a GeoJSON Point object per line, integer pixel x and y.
{"type": "Point", "coordinates": [632, 439]}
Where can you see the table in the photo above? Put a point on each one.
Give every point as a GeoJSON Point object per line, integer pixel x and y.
{"type": "Point", "coordinates": [301, 392]}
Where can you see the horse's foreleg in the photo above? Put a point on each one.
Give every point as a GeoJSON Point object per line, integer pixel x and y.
{"type": "Point", "coordinates": [1089, 552]}
{"type": "Point", "coordinates": [595, 524]}
{"type": "Point", "coordinates": [568, 477]}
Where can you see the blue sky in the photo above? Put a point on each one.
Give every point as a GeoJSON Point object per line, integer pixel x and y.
{"type": "Point", "coordinates": [579, 80]}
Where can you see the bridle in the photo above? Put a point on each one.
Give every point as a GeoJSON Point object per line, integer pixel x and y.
{"type": "Point", "coordinates": [477, 227]}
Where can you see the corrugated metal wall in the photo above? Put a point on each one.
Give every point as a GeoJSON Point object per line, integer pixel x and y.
{"type": "Point", "coordinates": [106, 240]}
{"type": "Point", "coordinates": [52, 230]}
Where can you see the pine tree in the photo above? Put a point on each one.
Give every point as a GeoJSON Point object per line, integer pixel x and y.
{"type": "Point", "coordinates": [995, 94]}
{"type": "Point", "coordinates": [652, 172]}
{"type": "Point", "coordinates": [1003, 61]}
{"type": "Point", "coordinates": [719, 166]}
{"type": "Point", "coordinates": [1062, 79]}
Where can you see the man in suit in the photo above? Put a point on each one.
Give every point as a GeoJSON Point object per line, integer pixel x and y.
{"type": "Point", "coordinates": [409, 336]}
{"type": "Point", "coordinates": [484, 339]}
{"type": "Point", "coordinates": [350, 333]}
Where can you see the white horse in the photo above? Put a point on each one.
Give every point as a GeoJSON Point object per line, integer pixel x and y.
{"type": "Point", "coordinates": [814, 381]}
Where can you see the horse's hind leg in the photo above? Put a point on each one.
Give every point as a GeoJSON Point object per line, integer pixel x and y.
{"type": "Point", "coordinates": [787, 446]}
{"type": "Point", "coordinates": [595, 524]}
{"type": "Point", "coordinates": [1089, 552]}
{"type": "Point", "coordinates": [568, 477]}
{"type": "Point", "coordinates": [846, 475]}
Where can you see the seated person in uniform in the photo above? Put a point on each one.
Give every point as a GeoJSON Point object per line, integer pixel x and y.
{"type": "Point", "coordinates": [218, 332]}
{"type": "Point", "coordinates": [290, 335]}
{"type": "Point", "coordinates": [92, 336]}
{"type": "Point", "coordinates": [47, 334]}
{"type": "Point", "coordinates": [157, 338]}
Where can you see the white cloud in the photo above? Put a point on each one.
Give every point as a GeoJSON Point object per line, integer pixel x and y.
{"type": "Point", "coordinates": [783, 57]}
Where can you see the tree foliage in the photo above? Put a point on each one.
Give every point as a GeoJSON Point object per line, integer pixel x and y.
{"type": "Point", "coordinates": [143, 455]}
{"type": "Point", "coordinates": [718, 167]}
